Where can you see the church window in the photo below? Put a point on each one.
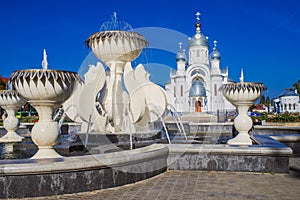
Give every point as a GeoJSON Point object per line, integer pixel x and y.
{"type": "Point", "coordinates": [215, 89]}
{"type": "Point", "coordinates": [284, 106]}
{"type": "Point", "coordinates": [294, 106]}
{"type": "Point", "coordinates": [174, 91]}
{"type": "Point", "coordinates": [290, 106]}
{"type": "Point", "coordinates": [181, 90]}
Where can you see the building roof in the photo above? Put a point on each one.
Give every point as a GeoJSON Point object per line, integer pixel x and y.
{"type": "Point", "coordinates": [4, 79]}
{"type": "Point", "coordinates": [288, 92]}
{"type": "Point", "coordinates": [215, 55]}
{"type": "Point", "coordinates": [199, 38]}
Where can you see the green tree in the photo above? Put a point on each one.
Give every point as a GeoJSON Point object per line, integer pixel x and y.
{"type": "Point", "coordinates": [297, 86]}
{"type": "Point", "coordinates": [268, 102]}
{"type": "Point", "coordinates": [262, 100]}
{"type": "Point", "coordinates": [2, 84]}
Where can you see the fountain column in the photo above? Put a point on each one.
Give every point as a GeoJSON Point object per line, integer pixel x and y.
{"type": "Point", "coordinates": [114, 101]}
{"type": "Point", "coordinates": [115, 48]}
{"type": "Point", "coordinates": [242, 95]}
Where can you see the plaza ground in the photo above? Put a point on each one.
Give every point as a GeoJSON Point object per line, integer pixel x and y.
{"type": "Point", "coordinates": [188, 185]}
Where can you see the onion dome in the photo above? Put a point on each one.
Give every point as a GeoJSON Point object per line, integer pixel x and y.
{"type": "Point", "coordinates": [199, 38]}
{"type": "Point", "coordinates": [215, 55]}
{"type": "Point", "coordinates": [181, 54]}
{"type": "Point", "coordinates": [197, 89]}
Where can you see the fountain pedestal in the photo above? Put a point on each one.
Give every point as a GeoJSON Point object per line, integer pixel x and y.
{"type": "Point", "coordinates": [10, 101]}
{"type": "Point", "coordinates": [45, 132]}
{"type": "Point", "coordinates": [242, 124]}
{"type": "Point", "coordinates": [45, 90]}
{"type": "Point", "coordinates": [242, 95]}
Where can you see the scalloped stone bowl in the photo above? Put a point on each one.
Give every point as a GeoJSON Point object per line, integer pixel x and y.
{"type": "Point", "coordinates": [11, 98]}
{"type": "Point", "coordinates": [242, 92]}
{"type": "Point", "coordinates": [242, 95]}
{"type": "Point", "coordinates": [11, 101]}
{"type": "Point", "coordinates": [45, 90]}
{"type": "Point", "coordinates": [116, 45]}
{"type": "Point", "coordinates": [41, 84]}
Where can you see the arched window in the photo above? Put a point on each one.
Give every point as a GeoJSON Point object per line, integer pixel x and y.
{"type": "Point", "coordinates": [294, 106]}
{"type": "Point", "coordinates": [290, 106]}
{"type": "Point", "coordinates": [284, 106]}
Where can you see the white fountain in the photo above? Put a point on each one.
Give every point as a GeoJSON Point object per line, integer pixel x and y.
{"type": "Point", "coordinates": [11, 101]}
{"type": "Point", "coordinates": [117, 110]}
{"type": "Point", "coordinates": [45, 90]}
{"type": "Point", "coordinates": [242, 95]}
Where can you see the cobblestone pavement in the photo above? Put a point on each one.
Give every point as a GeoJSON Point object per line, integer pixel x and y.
{"type": "Point", "coordinates": [188, 185]}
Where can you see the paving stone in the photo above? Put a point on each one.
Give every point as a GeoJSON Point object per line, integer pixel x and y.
{"type": "Point", "coordinates": [176, 185]}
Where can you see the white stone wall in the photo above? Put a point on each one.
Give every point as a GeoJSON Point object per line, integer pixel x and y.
{"type": "Point", "coordinates": [289, 104]}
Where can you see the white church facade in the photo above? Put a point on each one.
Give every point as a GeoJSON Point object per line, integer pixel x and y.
{"type": "Point", "coordinates": [288, 101]}
{"type": "Point", "coordinates": [194, 86]}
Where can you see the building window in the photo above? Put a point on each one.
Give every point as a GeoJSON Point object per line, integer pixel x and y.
{"type": "Point", "coordinates": [284, 106]}
{"type": "Point", "coordinates": [181, 90]}
{"type": "Point", "coordinates": [294, 106]}
{"type": "Point", "coordinates": [174, 91]}
{"type": "Point", "coordinates": [215, 89]}
{"type": "Point", "coordinates": [290, 106]}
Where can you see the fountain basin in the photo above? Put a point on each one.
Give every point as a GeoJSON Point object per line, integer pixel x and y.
{"type": "Point", "coordinates": [246, 92]}
{"type": "Point", "coordinates": [268, 155]}
{"type": "Point", "coordinates": [45, 90]}
{"type": "Point", "coordinates": [45, 177]}
{"type": "Point", "coordinates": [44, 84]}
{"type": "Point", "coordinates": [116, 45]}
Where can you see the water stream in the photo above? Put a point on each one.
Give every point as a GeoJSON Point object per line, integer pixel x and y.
{"type": "Point", "coordinates": [177, 120]}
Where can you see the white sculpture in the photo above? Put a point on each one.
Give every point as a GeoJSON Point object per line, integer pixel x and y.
{"type": "Point", "coordinates": [242, 95]}
{"type": "Point", "coordinates": [117, 110]}
{"type": "Point", "coordinates": [11, 102]}
{"type": "Point", "coordinates": [45, 90]}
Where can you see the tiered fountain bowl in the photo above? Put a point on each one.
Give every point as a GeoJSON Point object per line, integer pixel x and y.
{"type": "Point", "coordinates": [242, 95]}
{"type": "Point", "coordinates": [112, 46]}
{"type": "Point", "coordinates": [45, 90]}
{"type": "Point", "coordinates": [11, 101]}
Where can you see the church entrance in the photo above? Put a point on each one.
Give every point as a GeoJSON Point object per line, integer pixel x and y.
{"type": "Point", "coordinates": [198, 106]}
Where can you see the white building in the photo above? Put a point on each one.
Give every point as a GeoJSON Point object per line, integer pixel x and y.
{"type": "Point", "coordinates": [288, 101]}
{"type": "Point", "coordinates": [194, 86]}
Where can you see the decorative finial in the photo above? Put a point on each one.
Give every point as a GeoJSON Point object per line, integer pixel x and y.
{"type": "Point", "coordinates": [215, 44]}
{"type": "Point", "coordinates": [242, 76]}
{"type": "Point", "coordinates": [198, 25]}
{"type": "Point", "coordinates": [198, 16]}
{"type": "Point", "coordinates": [180, 46]}
{"type": "Point", "coordinates": [45, 61]}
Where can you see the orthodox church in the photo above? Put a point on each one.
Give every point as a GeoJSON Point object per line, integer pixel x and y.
{"type": "Point", "coordinates": [194, 86]}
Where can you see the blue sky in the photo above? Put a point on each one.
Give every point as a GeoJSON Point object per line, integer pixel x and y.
{"type": "Point", "coordinates": [260, 36]}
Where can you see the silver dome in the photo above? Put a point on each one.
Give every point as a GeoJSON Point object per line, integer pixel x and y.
{"type": "Point", "coordinates": [180, 56]}
{"type": "Point", "coordinates": [197, 89]}
{"type": "Point", "coordinates": [215, 55]}
{"type": "Point", "coordinates": [198, 39]}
